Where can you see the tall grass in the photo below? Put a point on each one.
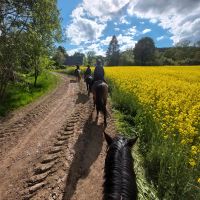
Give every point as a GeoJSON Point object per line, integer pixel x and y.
{"type": "Point", "coordinates": [22, 93]}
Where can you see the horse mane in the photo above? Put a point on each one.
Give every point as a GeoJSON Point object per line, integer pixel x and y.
{"type": "Point", "coordinates": [120, 179]}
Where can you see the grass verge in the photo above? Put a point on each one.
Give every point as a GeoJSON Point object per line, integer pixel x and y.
{"type": "Point", "coordinates": [126, 126]}
{"type": "Point", "coordinates": [22, 93]}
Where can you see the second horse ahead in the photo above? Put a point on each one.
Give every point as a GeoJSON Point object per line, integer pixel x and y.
{"type": "Point", "coordinates": [100, 95]}
{"type": "Point", "coordinates": [99, 90]}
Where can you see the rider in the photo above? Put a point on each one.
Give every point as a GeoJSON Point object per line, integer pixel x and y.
{"type": "Point", "coordinates": [88, 72]}
{"type": "Point", "coordinates": [98, 77]}
{"type": "Point", "coordinates": [99, 71]}
{"type": "Point", "coordinates": [77, 72]}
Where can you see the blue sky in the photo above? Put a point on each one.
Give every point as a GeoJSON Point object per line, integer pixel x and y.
{"type": "Point", "coordinates": [89, 24]}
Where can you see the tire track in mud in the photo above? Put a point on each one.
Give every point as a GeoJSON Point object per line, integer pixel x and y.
{"type": "Point", "coordinates": [52, 163]}
{"type": "Point", "coordinates": [49, 175]}
{"type": "Point", "coordinates": [11, 130]}
{"type": "Point", "coordinates": [25, 147]}
{"type": "Point", "coordinates": [71, 163]}
{"type": "Point", "coordinates": [78, 146]}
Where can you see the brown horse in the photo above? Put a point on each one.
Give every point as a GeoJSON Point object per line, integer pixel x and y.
{"type": "Point", "coordinates": [89, 82]}
{"type": "Point", "coordinates": [100, 94]}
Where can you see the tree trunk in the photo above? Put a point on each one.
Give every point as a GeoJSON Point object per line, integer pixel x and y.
{"type": "Point", "coordinates": [2, 91]}
{"type": "Point", "coordinates": [36, 74]}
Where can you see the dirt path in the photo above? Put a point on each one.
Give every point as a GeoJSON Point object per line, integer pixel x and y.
{"type": "Point", "coordinates": [53, 148]}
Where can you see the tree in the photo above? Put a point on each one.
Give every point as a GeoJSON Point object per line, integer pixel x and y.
{"type": "Point", "coordinates": [112, 54]}
{"type": "Point", "coordinates": [60, 56]}
{"type": "Point", "coordinates": [183, 43]}
{"type": "Point", "coordinates": [126, 58]}
{"type": "Point", "coordinates": [144, 51]}
{"type": "Point", "coordinates": [91, 56]}
{"type": "Point", "coordinates": [28, 31]}
{"type": "Point", "coordinates": [62, 50]}
{"type": "Point", "coordinates": [197, 44]}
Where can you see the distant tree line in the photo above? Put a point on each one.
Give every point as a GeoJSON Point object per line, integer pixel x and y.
{"type": "Point", "coordinates": [61, 58]}
{"type": "Point", "coordinates": [143, 54]}
{"type": "Point", "coordinates": [28, 30]}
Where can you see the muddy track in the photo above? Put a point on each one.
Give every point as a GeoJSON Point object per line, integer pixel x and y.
{"type": "Point", "coordinates": [54, 148]}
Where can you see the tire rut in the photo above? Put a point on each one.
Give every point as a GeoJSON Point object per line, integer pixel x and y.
{"type": "Point", "coordinates": [26, 146]}
{"type": "Point", "coordinates": [54, 165]}
{"type": "Point", "coordinates": [10, 132]}
{"type": "Point", "coordinates": [72, 160]}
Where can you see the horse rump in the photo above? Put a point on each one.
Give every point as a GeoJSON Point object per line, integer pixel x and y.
{"type": "Point", "coordinates": [101, 94]}
{"type": "Point", "coordinates": [89, 82]}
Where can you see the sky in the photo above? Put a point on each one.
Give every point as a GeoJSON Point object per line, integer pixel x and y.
{"type": "Point", "coordinates": [88, 25]}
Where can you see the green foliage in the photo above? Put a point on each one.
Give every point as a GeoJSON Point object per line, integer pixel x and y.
{"type": "Point", "coordinates": [112, 54]}
{"type": "Point", "coordinates": [126, 58]}
{"type": "Point", "coordinates": [23, 92]}
{"type": "Point", "coordinates": [144, 52]}
{"type": "Point", "coordinates": [28, 31]}
{"type": "Point", "coordinates": [60, 56]}
{"type": "Point", "coordinates": [90, 58]}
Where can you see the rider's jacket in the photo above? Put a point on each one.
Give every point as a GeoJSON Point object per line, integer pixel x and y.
{"type": "Point", "coordinates": [99, 73]}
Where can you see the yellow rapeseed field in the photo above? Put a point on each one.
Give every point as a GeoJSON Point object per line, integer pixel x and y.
{"type": "Point", "coordinates": [171, 95]}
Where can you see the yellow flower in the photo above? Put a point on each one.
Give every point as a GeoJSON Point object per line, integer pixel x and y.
{"type": "Point", "coordinates": [183, 141]}
{"type": "Point", "coordinates": [166, 136]}
{"type": "Point", "coordinates": [192, 162]}
{"type": "Point", "coordinates": [170, 95]}
{"type": "Point", "coordinates": [194, 150]}
{"type": "Point", "coordinates": [198, 180]}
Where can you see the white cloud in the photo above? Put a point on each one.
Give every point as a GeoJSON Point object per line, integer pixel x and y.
{"type": "Point", "coordinates": [181, 19]}
{"type": "Point", "coordinates": [90, 18]}
{"type": "Point", "coordinates": [153, 21]}
{"type": "Point", "coordinates": [123, 20]}
{"type": "Point", "coordinates": [160, 38]}
{"type": "Point", "coordinates": [78, 12]}
{"type": "Point", "coordinates": [104, 8]}
{"type": "Point", "coordinates": [147, 30]}
{"type": "Point", "coordinates": [84, 30]}
{"type": "Point", "coordinates": [72, 51]}
{"type": "Point", "coordinates": [96, 47]}
{"type": "Point", "coordinates": [125, 42]}
{"type": "Point", "coordinates": [106, 41]}
{"type": "Point", "coordinates": [131, 31]}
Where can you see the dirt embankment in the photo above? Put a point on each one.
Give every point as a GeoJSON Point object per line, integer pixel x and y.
{"type": "Point", "coordinates": [54, 148]}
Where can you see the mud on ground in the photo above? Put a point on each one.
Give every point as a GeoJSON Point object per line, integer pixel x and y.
{"type": "Point", "coordinates": [54, 148]}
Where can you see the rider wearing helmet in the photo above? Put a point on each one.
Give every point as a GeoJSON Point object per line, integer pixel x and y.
{"type": "Point", "coordinates": [99, 71]}
{"type": "Point", "coordinates": [98, 77]}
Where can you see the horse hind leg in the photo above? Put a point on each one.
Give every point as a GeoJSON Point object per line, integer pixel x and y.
{"type": "Point", "coordinates": [105, 116]}
{"type": "Point", "coordinates": [97, 109]}
{"type": "Point", "coordinates": [94, 100]}
{"type": "Point", "coordinates": [88, 89]}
